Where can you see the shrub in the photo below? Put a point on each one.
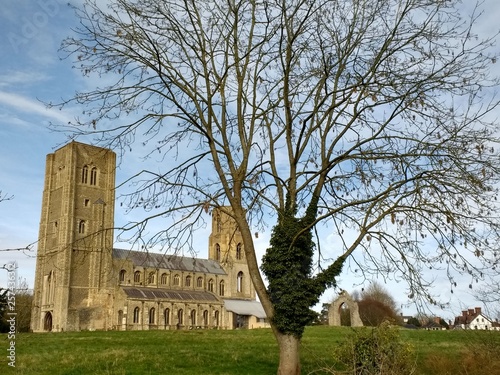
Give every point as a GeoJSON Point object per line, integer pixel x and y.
{"type": "Point", "coordinates": [376, 351]}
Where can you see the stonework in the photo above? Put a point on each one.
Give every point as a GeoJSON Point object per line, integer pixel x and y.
{"type": "Point", "coordinates": [334, 310]}
{"type": "Point", "coordinates": [83, 283]}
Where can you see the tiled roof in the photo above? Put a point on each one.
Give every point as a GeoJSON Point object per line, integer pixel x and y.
{"type": "Point", "coordinates": [169, 294]}
{"type": "Point", "coordinates": [170, 262]}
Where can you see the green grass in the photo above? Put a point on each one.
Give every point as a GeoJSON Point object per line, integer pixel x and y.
{"type": "Point", "coordinates": [218, 352]}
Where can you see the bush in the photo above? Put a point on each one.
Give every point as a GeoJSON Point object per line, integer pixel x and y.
{"type": "Point", "coordinates": [376, 351]}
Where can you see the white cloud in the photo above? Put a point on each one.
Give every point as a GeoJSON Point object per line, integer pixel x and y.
{"type": "Point", "coordinates": [30, 106]}
{"type": "Point", "coordinates": [15, 78]}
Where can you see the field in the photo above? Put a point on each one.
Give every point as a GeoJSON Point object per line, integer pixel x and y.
{"type": "Point", "coordinates": [233, 352]}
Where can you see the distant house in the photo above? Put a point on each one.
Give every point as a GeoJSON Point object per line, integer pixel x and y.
{"type": "Point", "coordinates": [476, 320]}
{"type": "Point", "coordinates": [405, 318]}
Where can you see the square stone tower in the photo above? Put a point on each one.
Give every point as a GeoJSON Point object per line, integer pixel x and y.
{"type": "Point", "coordinates": [225, 245]}
{"type": "Point", "coordinates": [73, 289]}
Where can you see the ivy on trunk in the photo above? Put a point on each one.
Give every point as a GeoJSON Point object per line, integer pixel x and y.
{"type": "Point", "coordinates": [287, 264]}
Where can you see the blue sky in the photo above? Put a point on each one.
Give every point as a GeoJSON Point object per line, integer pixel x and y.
{"type": "Point", "coordinates": [31, 72]}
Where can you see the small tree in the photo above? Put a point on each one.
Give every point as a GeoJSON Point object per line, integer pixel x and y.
{"type": "Point", "coordinates": [368, 116]}
{"type": "Point", "coordinates": [4, 326]}
{"type": "Point", "coordinates": [376, 305]}
{"type": "Point", "coordinates": [414, 321]}
{"type": "Point", "coordinates": [24, 301]}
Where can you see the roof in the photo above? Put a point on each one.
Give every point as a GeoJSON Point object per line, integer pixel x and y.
{"type": "Point", "coordinates": [170, 262]}
{"type": "Point", "coordinates": [169, 294]}
{"type": "Point", "coordinates": [242, 307]}
{"type": "Point", "coordinates": [468, 316]}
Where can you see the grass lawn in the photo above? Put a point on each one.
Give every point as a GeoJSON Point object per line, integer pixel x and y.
{"type": "Point", "coordinates": [231, 352]}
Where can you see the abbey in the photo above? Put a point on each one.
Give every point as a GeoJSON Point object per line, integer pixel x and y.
{"type": "Point", "coordinates": [83, 283]}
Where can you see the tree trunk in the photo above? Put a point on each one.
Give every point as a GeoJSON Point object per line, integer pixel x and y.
{"type": "Point", "coordinates": [289, 354]}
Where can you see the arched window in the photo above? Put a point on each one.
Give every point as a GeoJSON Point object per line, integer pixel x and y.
{"type": "Point", "coordinates": [218, 223]}
{"type": "Point", "coordinates": [193, 317]}
{"type": "Point", "coordinates": [199, 282]}
{"type": "Point", "coordinates": [166, 316]}
{"type": "Point", "coordinates": [152, 315]}
{"type": "Point", "coordinates": [136, 315]}
{"type": "Point", "coordinates": [48, 288]}
{"type": "Point", "coordinates": [180, 317]}
{"type": "Point", "coordinates": [137, 276]}
{"type": "Point", "coordinates": [217, 252]}
{"type": "Point", "coordinates": [221, 288]}
{"type": "Point", "coordinates": [239, 282]}
{"type": "Point", "coordinates": [123, 273]}
{"type": "Point", "coordinates": [205, 318]}
{"type": "Point", "coordinates": [211, 285]}
{"type": "Point", "coordinates": [151, 278]}
{"type": "Point", "coordinates": [177, 280]}
{"type": "Point", "coordinates": [85, 174]}
{"type": "Point", "coordinates": [188, 281]}
{"type": "Point", "coordinates": [120, 318]}
{"type": "Point", "coordinates": [163, 279]}
{"type": "Point", "coordinates": [216, 318]}
{"type": "Point", "coordinates": [238, 252]}
{"type": "Point", "coordinates": [93, 176]}
{"type": "Point", "coordinates": [81, 227]}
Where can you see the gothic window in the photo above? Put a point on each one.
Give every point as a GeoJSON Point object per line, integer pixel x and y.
{"type": "Point", "coordinates": [166, 316]}
{"type": "Point", "coordinates": [205, 318]}
{"type": "Point", "coordinates": [180, 317]}
{"type": "Point", "coordinates": [81, 227]}
{"type": "Point", "coordinates": [216, 318]}
{"type": "Point", "coordinates": [136, 315]}
{"type": "Point", "coordinates": [218, 223]}
{"type": "Point", "coordinates": [151, 278]}
{"type": "Point", "coordinates": [137, 276]}
{"type": "Point", "coordinates": [239, 282]}
{"type": "Point", "coordinates": [93, 176]}
{"type": "Point", "coordinates": [152, 315]}
{"type": "Point", "coordinates": [85, 173]}
{"type": "Point", "coordinates": [221, 288]}
{"type": "Point", "coordinates": [188, 281]}
{"type": "Point", "coordinates": [122, 275]}
{"type": "Point", "coordinates": [163, 279]}
{"type": "Point", "coordinates": [238, 251]}
{"type": "Point", "coordinates": [86, 202]}
{"type": "Point", "coordinates": [199, 282]}
{"type": "Point", "coordinates": [211, 285]}
{"type": "Point", "coordinates": [49, 284]}
{"type": "Point", "coordinates": [193, 317]}
{"type": "Point", "coordinates": [177, 280]}
{"type": "Point", "coordinates": [217, 252]}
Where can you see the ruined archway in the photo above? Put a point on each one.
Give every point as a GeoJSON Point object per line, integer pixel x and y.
{"type": "Point", "coordinates": [334, 311]}
{"type": "Point", "coordinates": [47, 322]}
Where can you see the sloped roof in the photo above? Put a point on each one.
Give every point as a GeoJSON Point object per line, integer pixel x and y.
{"type": "Point", "coordinates": [242, 307]}
{"type": "Point", "coordinates": [170, 262]}
{"type": "Point", "coordinates": [169, 294]}
{"type": "Point", "coordinates": [469, 318]}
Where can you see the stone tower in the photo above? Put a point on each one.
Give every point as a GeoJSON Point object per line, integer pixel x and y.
{"type": "Point", "coordinates": [72, 280]}
{"type": "Point", "coordinates": [225, 245]}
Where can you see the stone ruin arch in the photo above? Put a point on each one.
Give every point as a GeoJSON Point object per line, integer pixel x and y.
{"type": "Point", "coordinates": [334, 310]}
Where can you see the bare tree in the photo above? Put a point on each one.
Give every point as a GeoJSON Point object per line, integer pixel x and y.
{"type": "Point", "coordinates": [372, 117]}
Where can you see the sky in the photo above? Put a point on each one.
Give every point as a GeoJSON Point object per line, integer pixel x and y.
{"type": "Point", "coordinates": [33, 73]}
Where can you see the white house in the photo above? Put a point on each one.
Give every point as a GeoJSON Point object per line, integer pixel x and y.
{"type": "Point", "coordinates": [476, 320]}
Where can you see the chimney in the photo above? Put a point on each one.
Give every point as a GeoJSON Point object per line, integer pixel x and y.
{"type": "Point", "coordinates": [471, 311]}
{"type": "Point", "coordinates": [478, 310]}
{"type": "Point", "coordinates": [464, 313]}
